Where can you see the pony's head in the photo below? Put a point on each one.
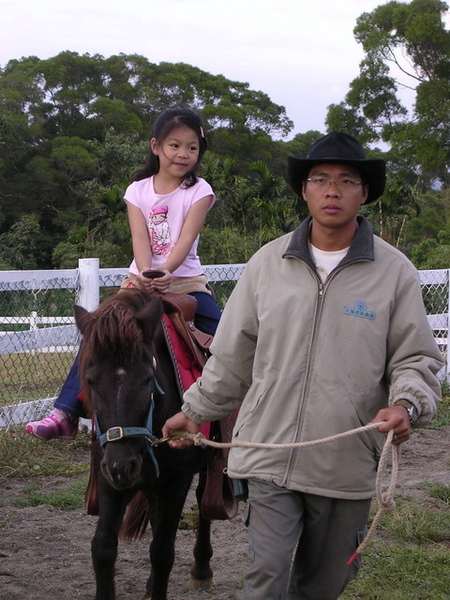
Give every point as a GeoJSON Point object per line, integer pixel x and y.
{"type": "Point", "coordinates": [117, 371]}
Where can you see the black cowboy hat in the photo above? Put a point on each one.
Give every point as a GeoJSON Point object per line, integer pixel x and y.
{"type": "Point", "coordinates": [340, 148]}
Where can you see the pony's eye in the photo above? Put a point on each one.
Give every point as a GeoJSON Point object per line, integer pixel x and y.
{"type": "Point", "coordinates": [148, 379]}
{"type": "Point", "coordinates": [90, 381]}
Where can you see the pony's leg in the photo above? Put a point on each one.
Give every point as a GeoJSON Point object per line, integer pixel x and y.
{"type": "Point", "coordinates": [104, 544]}
{"type": "Point", "coordinates": [165, 518]}
{"type": "Point", "coordinates": [201, 572]}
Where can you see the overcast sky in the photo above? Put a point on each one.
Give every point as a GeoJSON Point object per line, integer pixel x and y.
{"type": "Point", "coordinates": [301, 53]}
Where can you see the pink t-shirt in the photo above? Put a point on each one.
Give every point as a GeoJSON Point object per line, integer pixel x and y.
{"type": "Point", "coordinates": [165, 215]}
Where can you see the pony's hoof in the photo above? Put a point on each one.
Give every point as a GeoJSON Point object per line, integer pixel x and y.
{"type": "Point", "coordinates": [200, 584]}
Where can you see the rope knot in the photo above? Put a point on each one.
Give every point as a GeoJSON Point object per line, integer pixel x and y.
{"type": "Point", "coordinates": [198, 439]}
{"type": "Point", "coordinates": [387, 502]}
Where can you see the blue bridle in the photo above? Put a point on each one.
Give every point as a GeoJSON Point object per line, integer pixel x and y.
{"type": "Point", "coordinates": [114, 434]}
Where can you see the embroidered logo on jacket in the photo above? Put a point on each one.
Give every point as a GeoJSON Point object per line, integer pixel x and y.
{"type": "Point", "coordinates": [359, 309]}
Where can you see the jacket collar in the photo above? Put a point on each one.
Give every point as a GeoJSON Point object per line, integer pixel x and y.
{"type": "Point", "coordinates": [362, 246]}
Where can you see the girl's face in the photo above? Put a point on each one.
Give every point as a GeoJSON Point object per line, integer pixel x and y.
{"type": "Point", "coordinates": [178, 153]}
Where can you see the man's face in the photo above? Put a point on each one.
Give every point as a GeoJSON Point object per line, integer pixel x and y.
{"type": "Point", "coordinates": [335, 204]}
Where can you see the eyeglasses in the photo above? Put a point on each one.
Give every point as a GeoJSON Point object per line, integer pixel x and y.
{"type": "Point", "coordinates": [344, 184]}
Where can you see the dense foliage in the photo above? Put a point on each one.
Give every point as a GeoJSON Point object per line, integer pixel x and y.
{"type": "Point", "coordinates": [73, 129]}
{"type": "Point", "coordinates": [407, 47]}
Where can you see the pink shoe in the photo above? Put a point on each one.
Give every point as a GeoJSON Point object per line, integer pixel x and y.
{"type": "Point", "coordinates": [58, 425]}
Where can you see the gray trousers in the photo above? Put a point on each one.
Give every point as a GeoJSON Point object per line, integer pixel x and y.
{"type": "Point", "coordinates": [299, 543]}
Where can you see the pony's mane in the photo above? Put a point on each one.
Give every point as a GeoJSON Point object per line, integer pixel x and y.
{"type": "Point", "coordinates": [113, 332]}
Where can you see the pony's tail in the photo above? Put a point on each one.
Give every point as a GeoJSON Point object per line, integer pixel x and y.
{"type": "Point", "coordinates": [136, 518]}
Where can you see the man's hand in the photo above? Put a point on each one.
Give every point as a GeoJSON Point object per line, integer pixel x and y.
{"type": "Point", "coordinates": [179, 422]}
{"type": "Point", "coordinates": [396, 418]}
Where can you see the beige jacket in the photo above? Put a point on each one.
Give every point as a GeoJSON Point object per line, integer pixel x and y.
{"type": "Point", "coordinates": [306, 360]}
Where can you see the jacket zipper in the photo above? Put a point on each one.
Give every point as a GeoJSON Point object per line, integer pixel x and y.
{"type": "Point", "coordinates": [322, 287]}
{"type": "Point", "coordinates": [305, 391]}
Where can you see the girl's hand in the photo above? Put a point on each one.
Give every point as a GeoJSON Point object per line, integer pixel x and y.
{"type": "Point", "coordinates": [156, 280]}
{"type": "Point", "coordinates": [162, 284]}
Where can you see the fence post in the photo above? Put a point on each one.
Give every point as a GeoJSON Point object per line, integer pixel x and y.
{"type": "Point", "coordinates": [447, 350]}
{"type": "Point", "coordinates": [89, 295]}
{"type": "Point", "coordinates": [33, 320]}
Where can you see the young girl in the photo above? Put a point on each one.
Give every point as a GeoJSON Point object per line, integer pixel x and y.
{"type": "Point", "coordinates": [167, 205]}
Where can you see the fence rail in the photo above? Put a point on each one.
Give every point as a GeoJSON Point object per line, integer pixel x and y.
{"type": "Point", "coordinates": [38, 337]}
{"type": "Point", "coordinates": [37, 349]}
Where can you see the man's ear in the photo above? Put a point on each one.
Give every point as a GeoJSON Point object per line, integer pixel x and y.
{"type": "Point", "coordinates": [365, 194]}
{"type": "Point", "coordinates": [303, 190]}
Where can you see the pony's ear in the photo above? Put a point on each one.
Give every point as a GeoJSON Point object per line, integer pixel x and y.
{"type": "Point", "coordinates": [80, 314]}
{"type": "Point", "coordinates": [150, 316]}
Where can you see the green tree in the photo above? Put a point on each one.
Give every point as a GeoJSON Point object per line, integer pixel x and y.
{"type": "Point", "coordinates": [24, 246]}
{"type": "Point", "coordinates": [302, 142]}
{"type": "Point", "coordinates": [273, 209]}
{"type": "Point", "coordinates": [73, 125]}
{"type": "Point", "coordinates": [431, 255]}
{"type": "Point", "coordinates": [391, 214]}
{"type": "Point", "coordinates": [408, 46]}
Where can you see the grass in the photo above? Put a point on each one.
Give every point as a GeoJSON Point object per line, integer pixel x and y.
{"type": "Point", "coordinates": [24, 456]}
{"type": "Point", "coordinates": [68, 499]}
{"type": "Point", "coordinates": [402, 571]}
{"type": "Point", "coordinates": [28, 376]}
{"type": "Point", "coordinates": [415, 523]}
{"type": "Point", "coordinates": [442, 492]}
{"type": "Point", "coordinates": [409, 557]}
{"type": "Point", "coordinates": [443, 415]}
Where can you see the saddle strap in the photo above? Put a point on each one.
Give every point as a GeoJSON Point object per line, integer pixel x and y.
{"type": "Point", "coordinates": [186, 332]}
{"type": "Point", "coordinates": [218, 501]}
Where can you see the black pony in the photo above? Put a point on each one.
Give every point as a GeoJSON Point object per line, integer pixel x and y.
{"type": "Point", "coordinates": [130, 389]}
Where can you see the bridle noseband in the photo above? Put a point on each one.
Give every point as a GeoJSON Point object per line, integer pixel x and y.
{"type": "Point", "coordinates": [114, 434]}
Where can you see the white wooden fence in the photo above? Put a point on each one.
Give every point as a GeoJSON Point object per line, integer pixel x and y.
{"type": "Point", "coordinates": [62, 335]}
{"type": "Point", "coordinates": [88, 279]}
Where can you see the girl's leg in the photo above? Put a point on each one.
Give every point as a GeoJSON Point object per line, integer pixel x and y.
{"type": "Point", "coordinates": [62, 422]}
{"type": "Point", "coordinates": [68, 400]}
{"type": "Point", "coordinates": [208, 314]}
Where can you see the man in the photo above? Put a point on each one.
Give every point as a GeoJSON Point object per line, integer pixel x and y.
{"type": "Point", "coordinates": [325, 331]}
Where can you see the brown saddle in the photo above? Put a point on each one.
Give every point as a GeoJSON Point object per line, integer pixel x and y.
{"type": "Point", "coordinates": [180, 308]}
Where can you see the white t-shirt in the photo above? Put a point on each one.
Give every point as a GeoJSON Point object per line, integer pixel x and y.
{"type": "Point", "coordinates": [165, 215]}
{"type": "Point", "coordinates": [326, 261]}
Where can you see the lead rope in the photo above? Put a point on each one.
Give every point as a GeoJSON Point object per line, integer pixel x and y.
{"type": "Point", "coordinates": [385, 499]}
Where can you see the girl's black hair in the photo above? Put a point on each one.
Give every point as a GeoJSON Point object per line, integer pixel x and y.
{"type": "Point", "coordinates": [167, 121]}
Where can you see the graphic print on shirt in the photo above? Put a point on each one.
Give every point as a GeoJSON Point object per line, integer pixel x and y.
{"type": "Point", "coordinates": [159, 230]}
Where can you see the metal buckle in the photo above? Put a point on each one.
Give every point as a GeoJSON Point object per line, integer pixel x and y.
{"type": "Point", "coordinates": [114, 433]}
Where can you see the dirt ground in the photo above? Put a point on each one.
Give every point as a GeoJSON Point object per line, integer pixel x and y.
{"type": "Point", "coordinates": [45, 553]}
